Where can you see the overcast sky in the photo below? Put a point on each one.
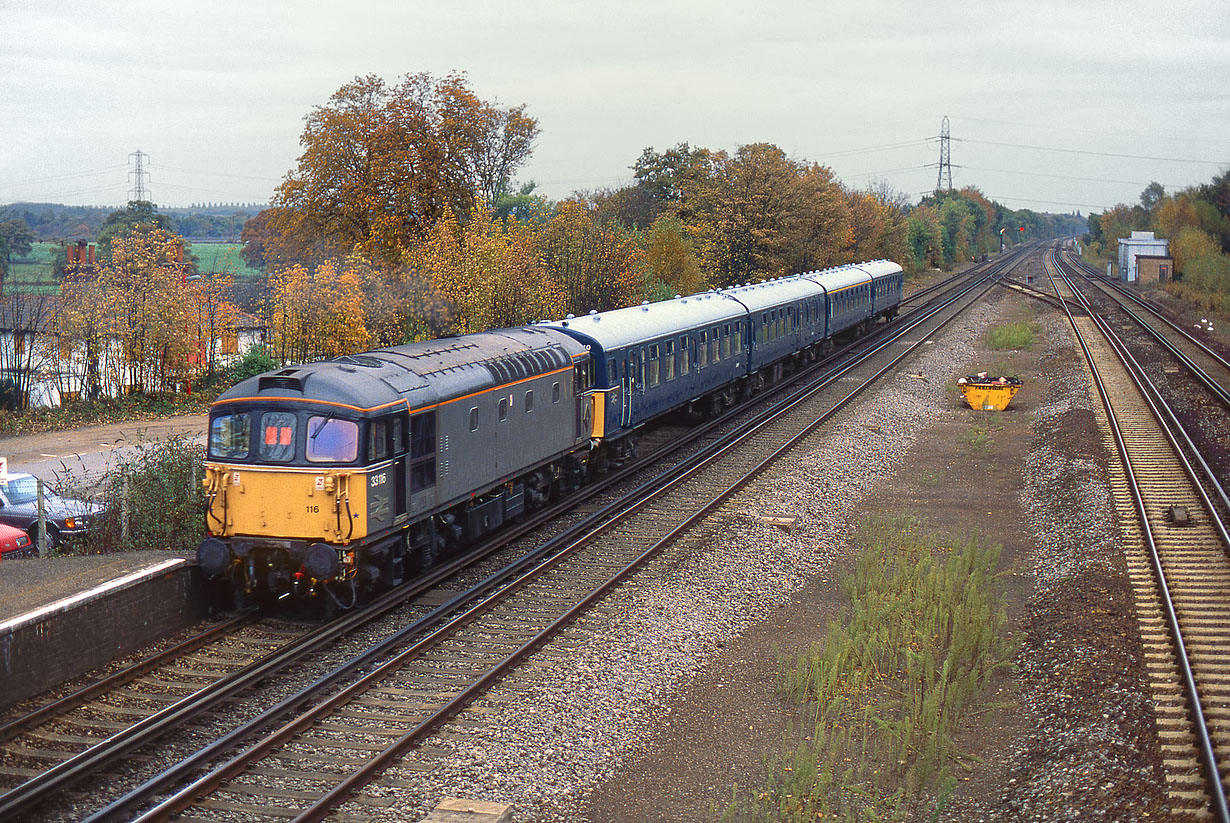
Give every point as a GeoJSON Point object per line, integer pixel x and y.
{"type": "Point", "coordinates": [1054, 106]}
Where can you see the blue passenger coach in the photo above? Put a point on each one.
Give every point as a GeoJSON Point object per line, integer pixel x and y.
{"type": "Point", "coordinates": [657, 357]}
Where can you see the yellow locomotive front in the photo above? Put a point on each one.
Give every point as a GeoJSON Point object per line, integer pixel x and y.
{"type": "Point", "coordinates": [288, 499]}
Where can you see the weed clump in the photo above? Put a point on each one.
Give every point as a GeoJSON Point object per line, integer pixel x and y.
{"type": "Point", "coordinates": [885, 692]}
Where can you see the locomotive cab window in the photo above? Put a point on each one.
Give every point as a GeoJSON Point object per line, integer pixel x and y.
{"type": "Point", "coordinates": [277, 443]}
{"type": "Point", "coordinates": [386, 438]}
{"type": "Point", "coordinates": [332, 440]}
{"type": "Point", "coordinates": [229, 435]}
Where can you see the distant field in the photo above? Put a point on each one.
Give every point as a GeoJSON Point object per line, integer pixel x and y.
{"type": "Point", "coordinates": [224, 258]}
{"type": "Point", "coordinates": [212, 258]}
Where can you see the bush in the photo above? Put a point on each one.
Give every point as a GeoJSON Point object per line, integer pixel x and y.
{"type": "Point", "coordinates": [256, 361]}
{"type": "Point", "coordinates": [153, 498]}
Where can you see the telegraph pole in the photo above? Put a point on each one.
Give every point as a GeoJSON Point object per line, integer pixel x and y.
{"type": "Point", "coordinates": [138, 191]}
{"type": "Point", "coordinates": [944, 179]}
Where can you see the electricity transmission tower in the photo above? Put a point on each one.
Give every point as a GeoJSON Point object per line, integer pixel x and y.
{"type": "Point", "coordinates": [138, 191]}
{"type": "Point", "coordinates": [944, 179]}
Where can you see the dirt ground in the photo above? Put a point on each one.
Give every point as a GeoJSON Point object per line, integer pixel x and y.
{"type": "Point", "coordinates": [1082, 635]}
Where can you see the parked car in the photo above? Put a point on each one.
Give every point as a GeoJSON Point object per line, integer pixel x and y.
{"type": "Point", "coordinates": [15, 543]}
{"type": "Point", "coordinates": [66, 516]}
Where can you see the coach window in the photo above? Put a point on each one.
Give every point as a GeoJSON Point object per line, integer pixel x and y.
{"type": "Point", "coordinates": [229, 435]}
{"type": "Point", "coordinates": [702, 351]}
{"type": "Point", "coordinates": [278, 437]}
{"type": "Point", "coordinates": [651, 372]}
{"type": "Point", "coordinates": [738, 337]}
{"type": "Point", "coordinates": [683, 355]}
{"type": "Point", "coordinates": [529, 401]}
{"type": "Point", "coordinates": [726, 341]}
{"type": "Point", "coordinates": [668, 360]}
{"type": "Point", "coordinates": [332, 440]}
{"type": "Point", "coordinates": [503, 409]}
{"type": "Point", "coordinates": [474, 418]}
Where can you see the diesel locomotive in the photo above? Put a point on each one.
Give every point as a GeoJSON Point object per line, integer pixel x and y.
{"type": "Point", "coordinates": [333, 479]}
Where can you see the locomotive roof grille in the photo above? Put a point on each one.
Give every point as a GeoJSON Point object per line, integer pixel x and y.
{"type": "Point", "coordinates": [282, 380]}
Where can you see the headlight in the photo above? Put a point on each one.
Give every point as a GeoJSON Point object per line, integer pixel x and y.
{"type": "Point", "coordinates": [70, 523]}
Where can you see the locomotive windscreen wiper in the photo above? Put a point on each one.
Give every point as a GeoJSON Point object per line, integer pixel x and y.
{"type": "Point", "coordinates": [322, 425]}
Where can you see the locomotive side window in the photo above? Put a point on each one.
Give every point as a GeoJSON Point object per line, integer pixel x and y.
{"type": "Point", "coordinates": [229, 435]}
{"type": "Point", "coordinates": [423, 449]}
{"type": "Point", "coordinates": [555, 392]}
{"type": "Point", "coordinates": [332, 440]}
{"type": "Point", "coordinates": [529, 401]}
{"type": "Point", "coordinates": [423, 435]}
{"type": "Point", "coordinates": [474, 419]}
{"type": "Point", "coordinates": [503, 409]}
{"type": "Point", "coordinates": [277, 441]}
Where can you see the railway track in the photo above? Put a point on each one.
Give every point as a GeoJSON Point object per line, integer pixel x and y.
{"type": "Point", "coordinates": [293, 774]}
{"type": "Point", "coordinates": [460, 653]}
{"type": "Point", "coordinates": [1175, 542]}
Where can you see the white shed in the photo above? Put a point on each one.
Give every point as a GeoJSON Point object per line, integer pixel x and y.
{"type": "Point", "coordinates": [1141, 243]}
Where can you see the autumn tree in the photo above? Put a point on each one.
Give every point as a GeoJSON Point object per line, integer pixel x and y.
{"type": "Point", "coordinates": [671, 262]}
{"type": "Point", "coordinates": [488, 273]}
{"type": "Point", "coordinates": [598, 265]}
{"type": "Point", "coordinates": [382, 163]}
{"type": "Point", "coordinates": [316, 312]}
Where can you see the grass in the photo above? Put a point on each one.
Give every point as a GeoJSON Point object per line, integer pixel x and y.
{"type": "Point", "coordinates": [981, 435]}
{"type": "Point", "coordinates": [882, 697]}
{"type": "Point", "coordinates": [1013, 336]}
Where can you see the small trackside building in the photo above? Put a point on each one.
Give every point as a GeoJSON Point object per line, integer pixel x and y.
{"type": "Point", "coordinates": [1140, 244]}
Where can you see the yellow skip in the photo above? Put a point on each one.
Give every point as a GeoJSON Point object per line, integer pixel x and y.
{"type": "Point", "coordinates": [985, 394]}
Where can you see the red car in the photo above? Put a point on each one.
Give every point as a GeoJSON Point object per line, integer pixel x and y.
{"type": "Point", "coordinates": [15, 543]}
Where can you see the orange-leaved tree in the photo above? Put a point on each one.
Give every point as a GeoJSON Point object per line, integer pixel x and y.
{"type": "Point", "coordinates": [382, 163]}
{"type": "Point", "coordinates": [316, 312]}
{"type": "Point", "coordinates": [487, 272]}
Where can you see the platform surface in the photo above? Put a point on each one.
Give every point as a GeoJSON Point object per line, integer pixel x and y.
{"type": "Point", "coordinates": [28, 584]}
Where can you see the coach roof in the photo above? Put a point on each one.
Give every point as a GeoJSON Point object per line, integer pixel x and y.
{"type": "Point", "coordinates": [651, 321]}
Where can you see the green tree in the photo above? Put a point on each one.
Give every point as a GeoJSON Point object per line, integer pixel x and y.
{"type": "Point", "coordinates": [16, 238]}
{"type": "Point", "coordinates": [139, 217]}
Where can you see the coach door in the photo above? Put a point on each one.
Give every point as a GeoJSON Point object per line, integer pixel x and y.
{"type": "Point", "coordinates": [629, 374]}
